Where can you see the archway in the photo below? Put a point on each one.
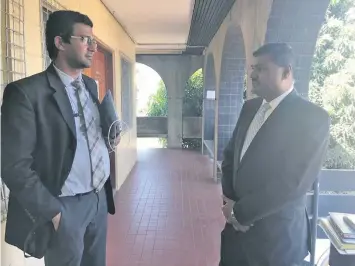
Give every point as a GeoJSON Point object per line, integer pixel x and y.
{"type": "Point", "coordinates": [232, 86]}
{"type": "Point", "coordinates": [152, 102]}
{"type": "Point", "coordinates": [297, 24]}
{"type": "Point", "coordinates": [325, 82]}
{"type": "Point", "coordinates": [332, 81]}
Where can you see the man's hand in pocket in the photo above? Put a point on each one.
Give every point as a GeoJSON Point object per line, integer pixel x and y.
{"type": "Point", "coordinates": [56, 220]}
{"type": "Point", "coordinates": [227, 209]}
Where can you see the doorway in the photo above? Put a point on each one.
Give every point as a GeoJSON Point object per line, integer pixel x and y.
{"type": "Point", "coordinates": [101, 71]}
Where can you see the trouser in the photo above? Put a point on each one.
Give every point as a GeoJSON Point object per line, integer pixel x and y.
{"type": "Point", "coordinates": [234, 253]}
{"type": "Point", "coordinates": [81, 236]}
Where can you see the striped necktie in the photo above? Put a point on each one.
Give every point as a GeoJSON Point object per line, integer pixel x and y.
{"type": "Point", "coordinates": [254, 127]}
{"type": "Point", "coordinates": [91, 133]}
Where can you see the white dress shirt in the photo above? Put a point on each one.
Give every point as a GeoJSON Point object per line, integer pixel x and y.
{"type": "Point", "coordinates": [252, 131]}
{"type": "Point", "coordinates": [275, 102]}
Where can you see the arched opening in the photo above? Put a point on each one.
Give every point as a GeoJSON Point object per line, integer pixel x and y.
{"type": "Point", "coordinates": [152, 108]}
{"type": "Point", "coordinates": [209, 103]}
{"type": "Point", "coordinates": [332, 81]}
{"type": "Point", "coordinates": [324, 72]}
{"type": "Point", "coordinates": [232, 86]}
{"type": "Point", "coordinates": [192, 111]}
{"type": "Point", "coordinates": [298, 25]}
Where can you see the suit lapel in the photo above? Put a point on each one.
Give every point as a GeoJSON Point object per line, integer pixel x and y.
{"type": "Point", "coordinates": [61, 98]}
{"type": "Point", "coordinates": [92, 89]}
{"type": "Point", "coordinates": [278, 118]}
{"type": "Point", "coordinates": [245, 121]}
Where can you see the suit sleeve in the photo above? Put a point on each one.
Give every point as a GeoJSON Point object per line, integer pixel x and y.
{"type": "Point", "coordinates": [227, 169]}
{"type": "Point", "coordinates": [228, 164]}
{"type": "Point", "coordinates": [293, 180]}
{"type": "Point", "coordinates": [18, 141]}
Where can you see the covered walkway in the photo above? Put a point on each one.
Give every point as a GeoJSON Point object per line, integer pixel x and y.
{"type": "Point", "coordinates": [168, 212]}
{"type": "Point", "coordinates": [168, 200]}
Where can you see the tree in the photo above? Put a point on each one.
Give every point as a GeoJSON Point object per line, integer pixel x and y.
{"type": "Point", "coordinates": [193, 98]}
{"type": "Point", "coordinates": [192, 104]}
{"type": "Point", "coordinates": [158, 102]}
{"type": "Point", "coordinates": [332, 84]}
{"type": "Point", "coordinates": [158, 106]}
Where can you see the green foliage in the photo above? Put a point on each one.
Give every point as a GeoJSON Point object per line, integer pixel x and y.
{"type": "Point", "coordinates": [158, 106]}
{"type": "Point", "coordinates": [193, 99]}
{"type": "Point", "coordinates": [332, 83]}
{"type": "Point", "coordinates": [192, 105]}
{"type": "Point", "coordinates": [158, 102]}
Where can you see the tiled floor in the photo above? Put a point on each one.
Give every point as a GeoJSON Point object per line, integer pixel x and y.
{"type": "Point", "coordinates": [168, 213]}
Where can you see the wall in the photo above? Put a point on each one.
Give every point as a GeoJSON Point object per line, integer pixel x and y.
{"type": "Point", "coordinates": [252, 17]}
{"type": "Point", "coordinates": [110, 33]}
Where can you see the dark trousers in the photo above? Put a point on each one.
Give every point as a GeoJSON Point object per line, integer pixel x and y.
{"type": "Point", "coordinates": [81, 236]}
{"type": "Point", "coordinates": [234, 253]}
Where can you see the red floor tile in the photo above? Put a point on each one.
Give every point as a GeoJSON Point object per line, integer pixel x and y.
{"type": "Point", "coordinates": [167, 212]}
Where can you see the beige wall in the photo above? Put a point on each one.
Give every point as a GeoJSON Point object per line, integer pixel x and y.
{"type": "Point", "coordinates": [110, 33]}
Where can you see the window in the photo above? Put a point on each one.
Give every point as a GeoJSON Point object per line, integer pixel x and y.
{"type": "Point", "coordinates": [126, 92]}
{"type": "Point", "coordinates": [12, 59]}
{"type": "Point", "coordinates": [45, 14]}
{"type": "Point", "coordinates": [47, 8]}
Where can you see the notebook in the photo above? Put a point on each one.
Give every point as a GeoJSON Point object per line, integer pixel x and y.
{"type": "Point", "coordinates": [344, 248]}
{"type": "Point", "coordinates": [340, 226]}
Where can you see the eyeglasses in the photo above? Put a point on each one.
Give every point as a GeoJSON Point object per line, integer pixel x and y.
{"type": "Point", "coordinates": [87, 40]}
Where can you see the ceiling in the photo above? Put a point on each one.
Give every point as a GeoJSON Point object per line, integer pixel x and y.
{"type": "Point", "coordinates": [170, 26]}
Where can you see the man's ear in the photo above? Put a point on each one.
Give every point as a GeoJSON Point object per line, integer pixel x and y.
{"type": "Point", "coordinates": [286, 72]}
{"type": "Point", "coordinates": [58, 42]}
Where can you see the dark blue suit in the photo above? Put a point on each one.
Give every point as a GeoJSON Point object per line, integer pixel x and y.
{"type": "Point", "coordinates": [270, 183]}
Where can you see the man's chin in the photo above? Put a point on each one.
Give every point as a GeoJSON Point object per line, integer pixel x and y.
{"type": "Point", "coordinates": [255, 90]}
{"type": "Point", "coordinates": [86, 64]}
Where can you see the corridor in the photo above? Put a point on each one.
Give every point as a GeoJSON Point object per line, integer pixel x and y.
{"type": "Point", "coordinates": [167, 212]}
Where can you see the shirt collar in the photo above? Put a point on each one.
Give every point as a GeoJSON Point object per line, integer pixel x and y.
{"type": "Point", "coordinates": [65, 78]}
{"type": "Point", "coordinates": [275, 102]}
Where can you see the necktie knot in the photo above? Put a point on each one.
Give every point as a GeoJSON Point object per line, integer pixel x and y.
{"type": "Point", "coordinates": [266, 106]}
{"type": "Point", "coordinates": [77, 84]}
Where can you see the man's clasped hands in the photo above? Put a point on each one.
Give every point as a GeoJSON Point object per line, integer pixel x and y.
{"type": "Point", "coordinates": [227, 210]}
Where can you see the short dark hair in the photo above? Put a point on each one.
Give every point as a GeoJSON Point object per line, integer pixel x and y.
{"type": "Point", "coordinates": [60, 23]}
{"type": "Point", "coordinates": [280, 53]}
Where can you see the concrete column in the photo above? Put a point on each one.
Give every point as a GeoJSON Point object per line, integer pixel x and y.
{"type": "Point", "coordinates": [175, 89]}
{"type": "Point", "coordinates": [174, 122]}
{"type": "Point", "coordinates": [231, 86]}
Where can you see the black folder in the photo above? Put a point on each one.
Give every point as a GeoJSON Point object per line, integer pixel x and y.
{"type": "Point", "coordinates": [108, 116]}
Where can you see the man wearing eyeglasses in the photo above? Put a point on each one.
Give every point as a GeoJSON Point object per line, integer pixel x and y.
{"type": "Point", "coordinates": [54, 158]}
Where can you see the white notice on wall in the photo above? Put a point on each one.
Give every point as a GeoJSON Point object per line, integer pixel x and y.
{"type": "Point", "coordinates": [211, 95]}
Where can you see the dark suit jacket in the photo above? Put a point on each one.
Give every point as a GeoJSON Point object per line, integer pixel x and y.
{"type": "Point", "coordinates": [38, 143]}
{"type": "Point", "coordinates": [270, 183]}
